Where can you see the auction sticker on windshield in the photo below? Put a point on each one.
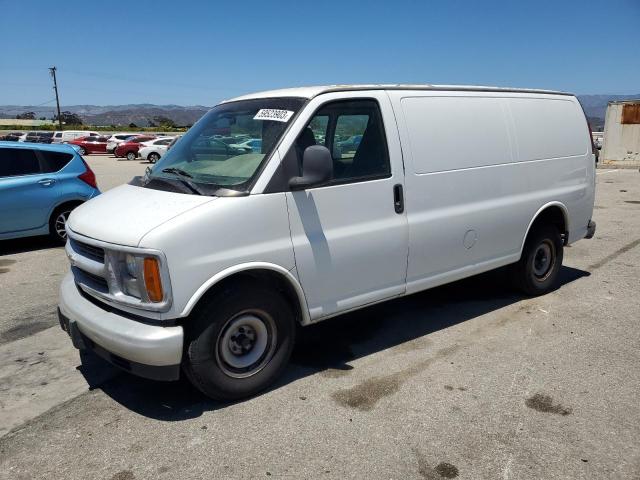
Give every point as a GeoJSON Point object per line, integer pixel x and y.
{"type": "Point", "coordinates": [273, 114]}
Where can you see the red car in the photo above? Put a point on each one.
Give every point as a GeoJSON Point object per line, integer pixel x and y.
{"type": "Point", "coordinates": [90, 144]}
{"type": "Point", "coordinates": [130, 148]}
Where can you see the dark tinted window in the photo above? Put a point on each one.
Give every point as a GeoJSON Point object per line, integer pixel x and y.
{"type": "Point", "coordinates": [18, 161]}
{"type": "Point", "coordinates": [54, 161]}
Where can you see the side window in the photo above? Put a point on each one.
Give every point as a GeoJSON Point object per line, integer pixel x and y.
{"type": "Point", "coordinates": [18, 161]}
{"type": "Point", "coordinates": [54, 161]}
{"type": "Point", "coordinates": [354, 134]}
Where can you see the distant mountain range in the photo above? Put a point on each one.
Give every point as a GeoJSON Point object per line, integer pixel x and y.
{"type": "Point", "coordinates": [144, 114]}
{"type": "Point", "coordinates": [140, 114]}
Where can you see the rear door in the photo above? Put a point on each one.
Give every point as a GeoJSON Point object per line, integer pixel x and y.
{"type": "Point", "coordinates": [26, 194]}
{"type": "Point", "coordinates": [351, 237]}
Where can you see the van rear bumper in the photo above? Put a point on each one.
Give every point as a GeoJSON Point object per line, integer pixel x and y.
{"type": "Point", "coordinates": [591, 229]}
{"type": "Point", "coordinates": [150, 351]}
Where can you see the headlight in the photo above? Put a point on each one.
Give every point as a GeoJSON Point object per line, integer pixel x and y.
{"type": "Point", "coordinates": [132, 265]}
{"type": "Point", "coordinates": [141, 278]}
{"type": "Point", "coordinates": [129, 276]}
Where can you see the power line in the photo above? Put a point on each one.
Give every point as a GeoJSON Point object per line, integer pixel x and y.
{"type": "Point", "coordinates": [43, 103]}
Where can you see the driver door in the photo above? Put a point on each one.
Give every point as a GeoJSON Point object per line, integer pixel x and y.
{"type": "Point", "coordinates": [350, 238]}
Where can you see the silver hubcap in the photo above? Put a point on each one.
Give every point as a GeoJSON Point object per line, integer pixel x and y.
{"type": "Point", "coordinates": [246, 344]}
{"type": "Point", "coordinates": [61, 221]}
{"type": "Point", "coordinates": [543, 260]}
{"type": "Point", "coordinates": [131, 156]}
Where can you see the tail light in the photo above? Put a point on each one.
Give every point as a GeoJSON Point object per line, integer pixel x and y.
{"type": "Point", "coordinates": [88, 176]}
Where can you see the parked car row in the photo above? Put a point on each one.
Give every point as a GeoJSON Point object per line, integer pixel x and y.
{"type": "Point", "coordinates": [126, 145]}
{"type": "Point", "coordinates": [89, 142]}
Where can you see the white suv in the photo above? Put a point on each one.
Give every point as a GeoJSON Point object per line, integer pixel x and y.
{"type": "Point", "coordinates": [152, 150]}
{"type": "Point", "coordinates": [116, 139]}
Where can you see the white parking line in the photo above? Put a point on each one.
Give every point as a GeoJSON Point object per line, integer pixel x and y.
{"type": "Point", "coordinates": [607, 171]}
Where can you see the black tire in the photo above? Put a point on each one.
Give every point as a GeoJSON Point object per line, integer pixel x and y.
{"type": "Point", "coordinates": [537, 271]}
{"type": "Point", "coordinates": [131, 155]}
{"type": "Point", "coordinates": [213, 337]}
{"type": "Point", "coordinates": [82, 151]}
{"type": "Point", "coordinates": [153, 157]}
{"type": "Point", "coordinates": [57, 221]}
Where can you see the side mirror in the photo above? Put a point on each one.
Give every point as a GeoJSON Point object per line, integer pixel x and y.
{"type": "Point", "coordinates": [317, 168]}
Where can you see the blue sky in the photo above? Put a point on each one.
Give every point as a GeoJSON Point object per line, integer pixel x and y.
{"type": "Point", "coordinates": [200, 52]}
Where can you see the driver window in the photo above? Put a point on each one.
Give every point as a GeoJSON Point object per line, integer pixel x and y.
{"type": "Point", "coordinates": [354, 134]}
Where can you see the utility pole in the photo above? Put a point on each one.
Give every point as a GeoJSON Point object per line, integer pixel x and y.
{"type": "Point", "coordinates": [52, 71]}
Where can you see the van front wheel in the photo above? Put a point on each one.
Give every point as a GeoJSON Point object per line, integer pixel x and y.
{"type": "Point", "coordinates": [241, 341]}
{"type": "Point", "coordinates": [537, 271]}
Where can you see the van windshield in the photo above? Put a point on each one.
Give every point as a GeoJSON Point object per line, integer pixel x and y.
{"type": "Point", "coordinates": [228, 145]}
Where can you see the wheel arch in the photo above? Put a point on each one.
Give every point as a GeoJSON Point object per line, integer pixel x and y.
{"type": "Point", "coordinates": [272, 274]}
{"type": "Point", "coordinates": [555, 213]}
{"type": "Point", "coordinates": [72, 201]}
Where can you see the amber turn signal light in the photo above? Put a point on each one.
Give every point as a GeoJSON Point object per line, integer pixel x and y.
{"type": "Point", "coordinates": [152, 279]}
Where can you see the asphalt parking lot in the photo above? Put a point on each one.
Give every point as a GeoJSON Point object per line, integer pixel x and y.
{"type": "Point", "coordinates": [468, 381]}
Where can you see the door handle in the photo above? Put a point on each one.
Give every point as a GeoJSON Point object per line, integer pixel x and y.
{"type": "Point", "coordinates": [398, 198]}
{"type": "Point", "coordinates": [47, 182]}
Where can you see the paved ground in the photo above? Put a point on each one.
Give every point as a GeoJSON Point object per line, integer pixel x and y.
{"type": "Point", "coordinates": [465, 381]}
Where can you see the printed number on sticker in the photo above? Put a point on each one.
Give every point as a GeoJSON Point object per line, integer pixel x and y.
{"type": "Point", "coordinates": [273, 114]}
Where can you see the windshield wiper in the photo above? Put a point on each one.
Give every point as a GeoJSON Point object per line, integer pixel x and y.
{"type": "Point", "coordinates": [184, 177]}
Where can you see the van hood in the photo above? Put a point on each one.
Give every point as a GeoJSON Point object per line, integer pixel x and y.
{"type": "Point", "coordinates": [125, 214]}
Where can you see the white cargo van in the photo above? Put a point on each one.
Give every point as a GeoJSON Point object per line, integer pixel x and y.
{"type": "Point", "coordinates": [70, 135]}
{"type": "Point", "coordinates": [209, 263]}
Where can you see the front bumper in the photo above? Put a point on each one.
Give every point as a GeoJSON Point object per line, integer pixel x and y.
{"type": "Point", "coordinates": [150, 351]}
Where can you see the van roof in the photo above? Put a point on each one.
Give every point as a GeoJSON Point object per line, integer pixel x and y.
{"type": "Point", "coordinates": [310, 92]}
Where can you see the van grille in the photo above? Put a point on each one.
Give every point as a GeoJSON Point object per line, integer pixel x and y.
{"type": "Point", "coordinates": [95, 282]}
{"type": "Point", "coordinates": [89, 251]}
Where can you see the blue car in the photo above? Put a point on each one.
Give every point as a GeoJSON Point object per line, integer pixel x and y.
{"type": "Point", "coordinates": [39, 187]}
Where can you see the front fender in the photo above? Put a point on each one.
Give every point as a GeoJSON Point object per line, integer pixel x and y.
{"type": "Point", "coordinates": [244, 267]}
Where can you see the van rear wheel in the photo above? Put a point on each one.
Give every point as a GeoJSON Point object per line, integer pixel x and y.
{"type": "Point", "coordinates": [241, 339]}
{"type": "Point", "coordinates": [537, 271]}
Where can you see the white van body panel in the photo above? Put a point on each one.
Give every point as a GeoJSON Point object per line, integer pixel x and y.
{"type": "Point", "coordinates": [478, 172]}
{"type": "Point", "coordinates": [229, 232]}
{"type": "Point", "coordinates": [123, 215]}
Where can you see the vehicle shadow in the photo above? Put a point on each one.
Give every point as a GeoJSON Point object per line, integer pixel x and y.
{"type": "Point", "coordinates": [26, 244]}
{"type": "Point", "coordinates": [330, 345]}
